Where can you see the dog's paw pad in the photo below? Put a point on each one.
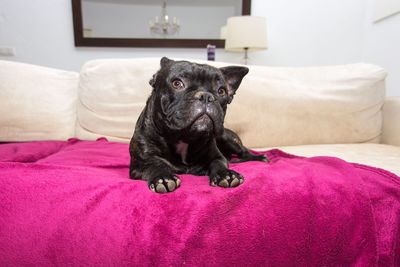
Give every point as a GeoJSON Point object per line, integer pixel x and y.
{"type": "Point", "coordinates": [165, 185]}
{"type": "Point", "coordinates": [227, 178]}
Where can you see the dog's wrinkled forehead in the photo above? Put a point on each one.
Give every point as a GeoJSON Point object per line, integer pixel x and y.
{"type": "Point", "coordinates": [192, 74]}
{"type": "Point", "coordinates": [193, 71]}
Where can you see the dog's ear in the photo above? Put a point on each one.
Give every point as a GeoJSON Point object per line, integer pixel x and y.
{"type": "Point", "coordinates": [165, 62]}
{"type": "Point", "coordinates": [233, 77]}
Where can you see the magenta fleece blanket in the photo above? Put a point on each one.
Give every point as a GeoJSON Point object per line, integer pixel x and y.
{"type": "Point", "coordinates": [72, 204]}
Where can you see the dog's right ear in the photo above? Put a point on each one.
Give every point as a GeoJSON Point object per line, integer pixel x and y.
{"type": "Point", "coordinates": [164, 62]}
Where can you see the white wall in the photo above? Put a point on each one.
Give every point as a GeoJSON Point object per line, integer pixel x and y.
{"type": "Point", "coordinates": [301, 33]}
{"type": "Point", "coordinates": [312, 32]}
{"type": "Point", "coordinates": [42, 33]}
{"type": "Point", "coordinates": [381, 46]}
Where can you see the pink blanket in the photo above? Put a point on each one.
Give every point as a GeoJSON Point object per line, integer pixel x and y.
{"type": "Point", "coordinates": [72, 204]}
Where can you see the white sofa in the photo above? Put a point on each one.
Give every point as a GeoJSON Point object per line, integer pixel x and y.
{"type": "Point", "coordinates": [332, 110]}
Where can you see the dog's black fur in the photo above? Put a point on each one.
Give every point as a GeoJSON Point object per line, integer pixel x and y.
{"type": "Point", "coordinates": [181, 129]}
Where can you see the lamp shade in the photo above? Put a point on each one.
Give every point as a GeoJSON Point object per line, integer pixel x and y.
{"type": "Point", "coordinates": [246, 32]}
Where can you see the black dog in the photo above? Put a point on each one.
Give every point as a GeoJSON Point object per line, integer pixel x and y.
{"type": "Point", "coordinates": [181, 129]}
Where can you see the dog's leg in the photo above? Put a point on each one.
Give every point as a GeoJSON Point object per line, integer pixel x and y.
{"type": "Point", "coordinates": [230, 144]}
{"type": "Point", "coordinates": [146, 164]}
{"type": "Point", "coordinates": [220, 175]}
{"type": "Point", "coordinates": [158, 172]}
{"type": "Point", "coordinates": [218, 172]}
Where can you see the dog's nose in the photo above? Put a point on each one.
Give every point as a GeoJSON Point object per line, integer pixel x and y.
{"type": "Point", "coordinates": [204, 97]}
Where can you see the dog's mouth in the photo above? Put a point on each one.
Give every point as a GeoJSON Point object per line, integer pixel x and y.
{"type": "Point", "coordinates": [203, 123]}
{"type": "Point", "coordinates": [204, 119]}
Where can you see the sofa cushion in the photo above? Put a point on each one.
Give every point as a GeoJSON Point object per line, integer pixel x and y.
{"type": "Point", "coordinates": [36, 103]}
{"type": "Point", "coordinates": [391, 121]}
{"type": "Point", "coordinates": [273, 107]}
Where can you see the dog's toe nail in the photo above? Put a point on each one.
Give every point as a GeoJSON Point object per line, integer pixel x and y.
{"type": "Point", "coordinates": [152, 188]}
{"type": "Point", "coordinates": [171, 185]}
{"type": "Point", "coordinates": [160, 188]}
{"type": "Point", "coordinates": [235, 182]}
{"type": "Point", "coordinates": [223, 183]}
{"type": "Point", "coordinates": [241, 181]}
{"type": "Point", "coordinates": [178, 182]}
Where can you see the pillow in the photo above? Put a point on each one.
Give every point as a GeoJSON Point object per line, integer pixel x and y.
{"type": "Point", "coordinates": [112, 94]}
{"type": "Point", "coordinates": [36, 103]}
{"type": "Point", "coordinates": [312, 105]}
{"type": "Point", "coordinates": [273, 107]}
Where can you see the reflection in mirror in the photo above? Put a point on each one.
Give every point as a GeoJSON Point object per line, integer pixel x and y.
{"type": "Point", "coordinates": [153, 23]}
{"type": "Point", "coordinates": [176, 19]}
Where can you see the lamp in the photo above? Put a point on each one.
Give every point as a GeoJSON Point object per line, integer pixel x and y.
{"type": "Point", "coordinates": [164, 25]}
{"type": "Point", "coordinates": [246, 33]}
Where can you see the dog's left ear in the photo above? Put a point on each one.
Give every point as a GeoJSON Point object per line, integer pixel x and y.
{"type": "Point", "coordinates": [233, 76]}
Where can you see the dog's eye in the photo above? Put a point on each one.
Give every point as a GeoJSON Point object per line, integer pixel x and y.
{"type": "Point", "coordinates": [177, 84]}
{"type": "Point", "coordinates": [221, 91]}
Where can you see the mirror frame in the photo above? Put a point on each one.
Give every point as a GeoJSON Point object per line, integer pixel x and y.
{"type": "Point", "coordinates": [80, 40]}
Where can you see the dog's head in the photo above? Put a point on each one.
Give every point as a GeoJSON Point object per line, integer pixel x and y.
{"type": "Point", "coordinates": [191, 99]}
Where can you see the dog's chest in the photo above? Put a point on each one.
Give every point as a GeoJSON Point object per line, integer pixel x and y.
{"type": "Point", "coordinates": [182, 149]}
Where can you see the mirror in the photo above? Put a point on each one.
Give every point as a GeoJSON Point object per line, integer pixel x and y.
{"type": "Point", "coordinates": [153, 23]}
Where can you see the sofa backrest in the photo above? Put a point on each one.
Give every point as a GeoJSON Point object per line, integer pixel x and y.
{"type": "Point", "coordinates": [273, 107]}
{"type": "Point", "coordinates": [36, 103]}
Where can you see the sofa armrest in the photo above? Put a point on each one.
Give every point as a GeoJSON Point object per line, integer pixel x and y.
{"type": "Point", "coordinates": [391, 121]}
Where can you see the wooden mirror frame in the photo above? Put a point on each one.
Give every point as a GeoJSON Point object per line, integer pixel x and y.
{"type": "Point", "coordinates": [80, 40]}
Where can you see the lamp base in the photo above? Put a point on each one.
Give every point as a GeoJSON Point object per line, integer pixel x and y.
{"type": "Point", "coordinates": [245, 59]}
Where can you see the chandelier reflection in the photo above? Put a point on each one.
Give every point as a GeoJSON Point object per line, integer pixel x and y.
{"type": "Point", "coordinates": [164, 25]}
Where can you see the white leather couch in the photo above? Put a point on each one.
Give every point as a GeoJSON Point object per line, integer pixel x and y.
{"type": "Point", "coordinates": [332, 110]}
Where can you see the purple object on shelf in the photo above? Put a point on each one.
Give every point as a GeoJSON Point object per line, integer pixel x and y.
{"type": "Point", "coordinates": [211, 52]}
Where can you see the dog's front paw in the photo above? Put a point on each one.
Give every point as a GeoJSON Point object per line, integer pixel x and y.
{"type": "Point", "coordinates": [165, 185]}
{"type": "Point", "coordinates": [226, 178]}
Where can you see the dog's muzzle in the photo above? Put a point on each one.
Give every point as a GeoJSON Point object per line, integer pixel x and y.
{"type": "Point", "coordinates": [207, 119]}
